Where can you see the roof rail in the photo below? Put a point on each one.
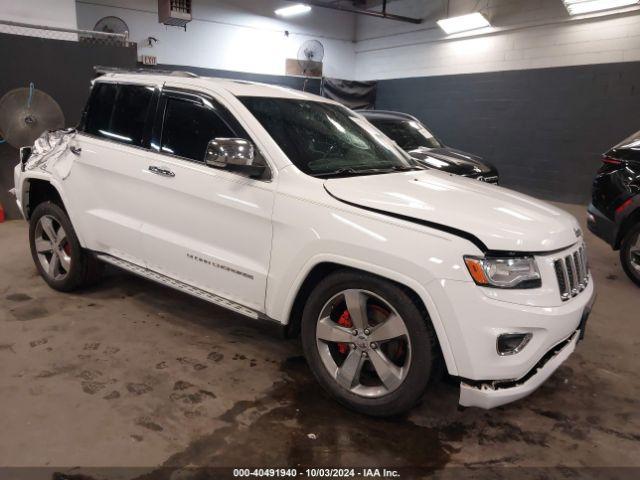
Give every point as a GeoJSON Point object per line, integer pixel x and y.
{"type": "Point", "coordinates": [102, 70]}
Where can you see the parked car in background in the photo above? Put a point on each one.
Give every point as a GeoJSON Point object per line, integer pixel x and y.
{"type": "Point", "coordinates": [287, 207]}
{"type": "Point", "coordinates": [614, 212]}
{"type": "Point", "coordinates": [414, 138]}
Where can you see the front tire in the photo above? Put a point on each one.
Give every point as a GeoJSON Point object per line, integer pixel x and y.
{"type": "Point", "coordinates": [630, 253]}
{"type": "Point", "coordinates": [56, 251]}
{"type": "Point", "coordinates": [367, 343]}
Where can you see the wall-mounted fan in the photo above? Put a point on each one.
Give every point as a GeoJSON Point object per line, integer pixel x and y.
{"type": "Point", "coordinates": [111, 25]}
{"type": "Point", "coordinates": [25, 113]}
{"type": "Point", "coordinates": [310, 55]}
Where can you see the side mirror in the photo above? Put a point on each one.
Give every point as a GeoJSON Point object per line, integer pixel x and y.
{"type": "Point", "coordinates": [222, 152]}
{"type": "Point", "coordinates": [235, 154]}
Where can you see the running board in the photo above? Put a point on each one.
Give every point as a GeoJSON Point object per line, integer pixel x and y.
{"type": "Point", "coordinates": [178, 285]}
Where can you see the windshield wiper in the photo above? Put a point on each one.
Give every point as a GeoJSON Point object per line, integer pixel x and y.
{"type": "Point", "coordinates": [405, 168]}
{"type": "Point", "coordinates": [367, 171]}
{"type": "Point", "coordinates": [338, 172]}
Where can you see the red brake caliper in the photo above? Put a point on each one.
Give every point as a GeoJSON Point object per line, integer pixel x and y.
{"type": "Point", "coordinates": [344, 321]}
{"type": "Point", "coordinates": [67, 248]}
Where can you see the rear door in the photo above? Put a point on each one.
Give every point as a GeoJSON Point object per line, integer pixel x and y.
{"type": "Point", "coordinates": [210, 228]}
{"type": "Point", "coordinates": [106, 186]}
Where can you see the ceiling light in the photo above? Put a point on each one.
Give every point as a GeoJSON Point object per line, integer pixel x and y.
{"type": "Point", "coordinates": [296, 9]}
{"type": "Point", "coordinates": [464, 23]}
{"type": "Point", "coordinates": [578, 7]}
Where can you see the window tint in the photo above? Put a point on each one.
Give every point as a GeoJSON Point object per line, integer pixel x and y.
{"type": "Point", "coordinates": [188, 128]}
{"type": "Point", "coordinates": [100, 106]}
{"type": "Point", "coordinates": [119, 112]}
{"type": "Point", "coordinates": [130, 113]}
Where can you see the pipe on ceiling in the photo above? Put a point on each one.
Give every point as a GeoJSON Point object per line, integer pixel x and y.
{"type": "Point", "coordinates": [361, 11]}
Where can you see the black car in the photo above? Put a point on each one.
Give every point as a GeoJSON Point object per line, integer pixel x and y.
{"type": "Point", "coordinates": [614, 212]}
{"type": "Point", "coordinates": [416, 139]}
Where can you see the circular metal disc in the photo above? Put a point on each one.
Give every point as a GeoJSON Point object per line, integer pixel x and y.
{"type": "Point", "coordinates": [22, 123]}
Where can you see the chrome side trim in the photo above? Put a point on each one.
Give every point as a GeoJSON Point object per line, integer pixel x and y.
{"type": "Point", "coordinates": [178, 285]}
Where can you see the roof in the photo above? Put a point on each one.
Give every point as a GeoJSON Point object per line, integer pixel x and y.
{"type": "Point", "coordinates": [238, 88]}
{"type": "Point", "coordinates": [386, 115]}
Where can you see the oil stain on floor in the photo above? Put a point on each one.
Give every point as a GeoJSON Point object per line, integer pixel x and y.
{"type": "Point", "coordinates": [296, 424]}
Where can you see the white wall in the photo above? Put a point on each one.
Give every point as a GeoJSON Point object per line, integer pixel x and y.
{"type": "Point", "coordinates": [245, 35]}
{"type": "Point", "coordinates": [55, 13]}
{"type": "Point", "coordinates": [528, 34]}
{"type": "Point", "coordinates": [239, 35]}
{"type": "Point", "coordinates": [52, 13]}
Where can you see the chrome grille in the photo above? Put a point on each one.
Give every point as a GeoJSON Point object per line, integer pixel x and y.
{"type": "Point", "coordinates": [572, 273]}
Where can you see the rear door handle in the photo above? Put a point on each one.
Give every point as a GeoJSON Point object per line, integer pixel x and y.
{"type": "Point", "coordinates": [161, 171]}
{"type": "Point", "coordinates": [75, 150]}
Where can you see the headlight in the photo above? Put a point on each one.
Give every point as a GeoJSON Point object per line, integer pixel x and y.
{"type": "Point", "coordinates": [504, 272]}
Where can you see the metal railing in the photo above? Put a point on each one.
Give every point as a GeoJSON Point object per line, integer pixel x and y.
{"type": "Point", "coordinates": [69, 34]}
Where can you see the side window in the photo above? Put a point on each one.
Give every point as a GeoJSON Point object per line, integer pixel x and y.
{"type": "Point", "coordinates": [188, 128]}
{"type": "Point", "coordinates": [98, 115]}
{"type": "Point", "coordinates": [130, 113]}
{"type": "Point", "coordinates": [119, 112]}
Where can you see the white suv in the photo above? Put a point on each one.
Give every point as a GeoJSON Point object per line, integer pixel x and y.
{"type": "Point", "coordinates": [288, 207]}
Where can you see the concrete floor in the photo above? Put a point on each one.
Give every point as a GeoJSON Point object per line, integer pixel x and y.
{"type": "Point", "coordinates": [133, 374]}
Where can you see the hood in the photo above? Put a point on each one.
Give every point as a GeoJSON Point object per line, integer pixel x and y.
{"type": "Point", "coordinates": [451, 160]}
{"type": "Point", "coordinates": [501, 219]}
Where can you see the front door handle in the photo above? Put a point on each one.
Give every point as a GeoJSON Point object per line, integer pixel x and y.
{"type": "Point", "coordinates": [75, 150]}
{"type": "Point", "coordinates": [161, 171]}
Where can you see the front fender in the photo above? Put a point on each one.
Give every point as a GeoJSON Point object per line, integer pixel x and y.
{"type": "Point", "coordinates": [290, 294]}
{"type": "Point", "coordinates": [310, 231]}
{"type": "Point", "coordinates": [23, 187]}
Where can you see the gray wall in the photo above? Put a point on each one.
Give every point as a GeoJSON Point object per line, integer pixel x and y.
{"type": "Point", "coordinates": [63, 69]}
{"type": "Point", "coordinates": [544, 129]}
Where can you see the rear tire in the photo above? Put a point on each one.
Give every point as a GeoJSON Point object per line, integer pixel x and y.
{"type": "Point", "coordinates": [351, 367]}
{"type": "Point", "coordinates": [56, 251]}
{"type": "Point", "coordinates": [630, 253]}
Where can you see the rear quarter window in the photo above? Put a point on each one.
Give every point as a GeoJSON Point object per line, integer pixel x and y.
{"type": "Point", "coordinates": [119, 112]}
{"type": "Point", "coordinates": [99, 107]}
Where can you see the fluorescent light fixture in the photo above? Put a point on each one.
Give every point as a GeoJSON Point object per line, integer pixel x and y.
{"type": "Point", "coordinates": [296, 9]}
{"type": "Point", "coordinates": [578, 7]}
{"type": "Point", "coordinates": [464, 23]}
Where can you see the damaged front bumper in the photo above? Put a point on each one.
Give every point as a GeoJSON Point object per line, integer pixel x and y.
{"type": "Point", "coordinates": [490, 394]}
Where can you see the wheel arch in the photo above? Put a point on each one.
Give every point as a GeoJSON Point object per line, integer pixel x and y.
{"type": "Point", "coordinates": [36, 191]}
{"type": "Point", "coordinates": [418, 295]}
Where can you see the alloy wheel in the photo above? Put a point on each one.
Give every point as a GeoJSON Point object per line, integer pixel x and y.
{"type": "Point", "coordinates": [364, 343]}
{"type": "Point", "coordinates": [52, 247]}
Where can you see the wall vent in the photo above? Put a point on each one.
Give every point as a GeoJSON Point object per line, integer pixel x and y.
{"type": "Point", "coordinates": [176, 13]}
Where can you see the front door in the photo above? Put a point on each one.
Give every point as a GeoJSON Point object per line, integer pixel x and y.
{"type": "Point", "coordinates": [209, 228]}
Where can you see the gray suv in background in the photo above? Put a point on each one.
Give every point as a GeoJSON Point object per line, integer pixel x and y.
{"type": "Point", "coordinates": [413, 137]}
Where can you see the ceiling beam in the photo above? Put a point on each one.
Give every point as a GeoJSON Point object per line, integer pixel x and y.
{"type": "Point", "coordinates": [360, 11]}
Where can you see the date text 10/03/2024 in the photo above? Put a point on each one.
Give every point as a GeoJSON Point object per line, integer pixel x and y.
{"type": "Point", "coordinates": [316, 473]}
